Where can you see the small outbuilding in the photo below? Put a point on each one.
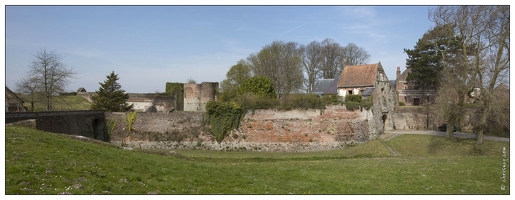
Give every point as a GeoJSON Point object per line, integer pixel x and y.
{"type": "Point", "coordinates": [13, 103]}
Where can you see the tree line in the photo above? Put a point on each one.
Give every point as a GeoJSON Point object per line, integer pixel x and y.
{"type": "Point", "coordinates": [47, 76]}
{"type": "Point", "coordinates": [293, 67]}
{"type": "Point", "coordinates": [468, 50]}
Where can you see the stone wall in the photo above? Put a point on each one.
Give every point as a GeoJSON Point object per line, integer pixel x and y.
{"type": "Point", "coordinates": [143, 102]}
{"type": "Point", "coordinates": [260, 130]}
{"type": "Point", "coordinates": [176, 126]}
{"type": "Point", "coordinates": [151, 102]}
{"type": "Point", "coordinates": [88, 123]}
{"type": "Point", "coordinates": [196, 96]}
{"type": "Point", "coordinates": [384, 100]}
{"type": "Point", "coordinates": [334, 124]}
{"type": "Point", "coordinates": [191, 97]}
{"type": "Point", "coordinates": [425, 118]}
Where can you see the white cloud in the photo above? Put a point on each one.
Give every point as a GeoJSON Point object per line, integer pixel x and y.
{"type": "Point", "coordinates": [358, 12]}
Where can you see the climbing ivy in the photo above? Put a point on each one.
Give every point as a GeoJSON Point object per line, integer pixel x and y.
{"type": "Point", "coordinates": [176, 90]}
{"type": "Point", "coordinates": [223, 117]}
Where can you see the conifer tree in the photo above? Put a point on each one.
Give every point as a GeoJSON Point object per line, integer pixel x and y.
{"type": "Point", "coordinates": [110, 96]}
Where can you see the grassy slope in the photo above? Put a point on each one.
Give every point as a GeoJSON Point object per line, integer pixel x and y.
{"type": "Point", "coordinates": [60, 103]}
{"type": "Point", "coordinates": [44, 163]}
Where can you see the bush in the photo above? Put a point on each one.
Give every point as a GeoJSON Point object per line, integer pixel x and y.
{"type": "Point", "coordinates": [353, 105]}
{"type": "Point", "coordinates": [353, 98]}
{"type": "Point", "coordinates": [302, 101]}
{"type": "Point", "coordinates": [331, 99]}
{"type": "Point", "coordinates": [402, 104]}
{"type": "Point", "coordinates": [293, 101]}
{"type": "Point", "coordinates": [250, 101]}
{"type": "Point", "coordinates": [257, 85]}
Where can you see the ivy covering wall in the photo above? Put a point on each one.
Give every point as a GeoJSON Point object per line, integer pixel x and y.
{"type": "Point", "coordinates": [176, 90]}
{"type": "Point", "coordinates": [223, 117]}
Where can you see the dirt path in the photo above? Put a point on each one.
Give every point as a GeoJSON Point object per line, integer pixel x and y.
{"type": "Point", "coordinates": [392, 134]}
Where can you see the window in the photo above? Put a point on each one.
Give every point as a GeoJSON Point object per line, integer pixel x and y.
{"type": "Point", "coordinates": [350, 91]}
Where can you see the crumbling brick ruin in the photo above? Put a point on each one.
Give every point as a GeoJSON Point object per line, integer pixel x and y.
{"type": "Point", "coordinates": [184, 97]}
{"type": "Point", "coordinates": [196, 96]}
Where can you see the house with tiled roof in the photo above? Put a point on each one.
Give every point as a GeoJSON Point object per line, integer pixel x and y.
{"type": "Point", "coordinates": [356, 79]}
{"type": "Point", "coordinates": [13, 103]}
{"type": "Point", "coordinates": [321, 85]}
{"type": "Point", "coordinates": [370, 81]}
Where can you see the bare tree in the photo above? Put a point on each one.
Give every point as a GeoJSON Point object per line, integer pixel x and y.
{"type": "Point", "coordinates": [236, 75]}
{"type": "Point", "coordinates": [483, 60]}
{"type": "Point", "coordinates": [335, 57]}
{"type": "Point", "coordinates": [492, 59]}
{"type": "Point", "coordinates": [280, 62]}
{"type": "Point", "coordinates": [354, 55]}
{"type": "Point", "coordinates": [29, 84]}
{"type": "Point", "coordinates": [49, 75]}
{"type": "Point", "coordinates": [333, 62]}
{"type": "Point", "coordinates": [312, 59]}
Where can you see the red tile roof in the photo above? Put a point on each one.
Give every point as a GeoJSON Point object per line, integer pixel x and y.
{"type": "Point", "coordinates": [359, 75]}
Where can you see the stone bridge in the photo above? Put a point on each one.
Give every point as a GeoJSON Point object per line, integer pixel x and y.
{"type": "Point", "coordinates": [88, 123]}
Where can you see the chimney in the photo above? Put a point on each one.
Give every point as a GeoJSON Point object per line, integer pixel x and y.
{"type": "Point", "coordinates": [398, 72]}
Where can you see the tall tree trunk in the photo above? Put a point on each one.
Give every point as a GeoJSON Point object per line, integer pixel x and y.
{"type": "Point", "coordinates": [450, 130]}
{"type": "Point", "coordinates": [487, 109]}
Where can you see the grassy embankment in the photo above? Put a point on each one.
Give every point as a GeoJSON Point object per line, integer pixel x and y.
{"type": "Point", "coordinates": [59, 103]}
{"type": "Point", "coordinates": [38, 162]}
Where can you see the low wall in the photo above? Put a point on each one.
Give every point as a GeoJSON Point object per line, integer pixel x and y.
{"type": "Point", "coordinates": [260, 130]}
{"type": "Point", "coordinates": [88, 123]}
{"type": "Point", "coordinates": [175, 126]}
{"type": "Point", "coordinates": [237, 146]}
{"type": "Point", "coordinates": [334, 124]}
{"type": "Point", "coordinates": [424, 118]}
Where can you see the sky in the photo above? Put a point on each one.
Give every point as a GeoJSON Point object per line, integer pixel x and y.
{"type": "Point", "coordinates": [148, 46]}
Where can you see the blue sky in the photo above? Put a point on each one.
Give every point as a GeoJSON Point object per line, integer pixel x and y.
{"type": "Point", "coordinates": [148, 46]}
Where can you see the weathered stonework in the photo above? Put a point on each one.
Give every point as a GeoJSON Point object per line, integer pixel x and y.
{"type": "Point", "coordinates": [237, 146]}
{"type": "Point", "coordinates": [424, 118]}
{"type": "Point", "coordinates": [261, 130]}
{"type": "Point", "coordinates": [88, 123]}
{"type": "Point", "coordinates": [334, 124]}
{"type": "Point", "coordinates": [152, 102]}
{"type": "Point", "coordinates": [196, 96]}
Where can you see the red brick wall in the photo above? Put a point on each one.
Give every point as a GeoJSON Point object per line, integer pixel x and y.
{"type": "Point", "coordinates": [329, 125]}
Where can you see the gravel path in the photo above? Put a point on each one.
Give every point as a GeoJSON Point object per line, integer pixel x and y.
{"type": "Point", "coordinates": [392, 134]}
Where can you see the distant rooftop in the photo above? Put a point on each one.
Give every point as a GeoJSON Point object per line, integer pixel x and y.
{"type": "Point", "coordinates": [321, 85]}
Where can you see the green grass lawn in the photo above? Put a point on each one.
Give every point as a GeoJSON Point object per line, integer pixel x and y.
{"type": "Point", "coordinates": [60, 103]}
{"type": "Point", "coordinates": [38, 162]}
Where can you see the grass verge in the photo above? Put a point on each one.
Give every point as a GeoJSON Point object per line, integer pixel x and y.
{"type": "Point", "coordinates": [39, 162]}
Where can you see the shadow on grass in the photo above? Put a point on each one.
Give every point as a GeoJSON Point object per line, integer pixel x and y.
{"type": "Point", "coordinates": [437, 145]}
